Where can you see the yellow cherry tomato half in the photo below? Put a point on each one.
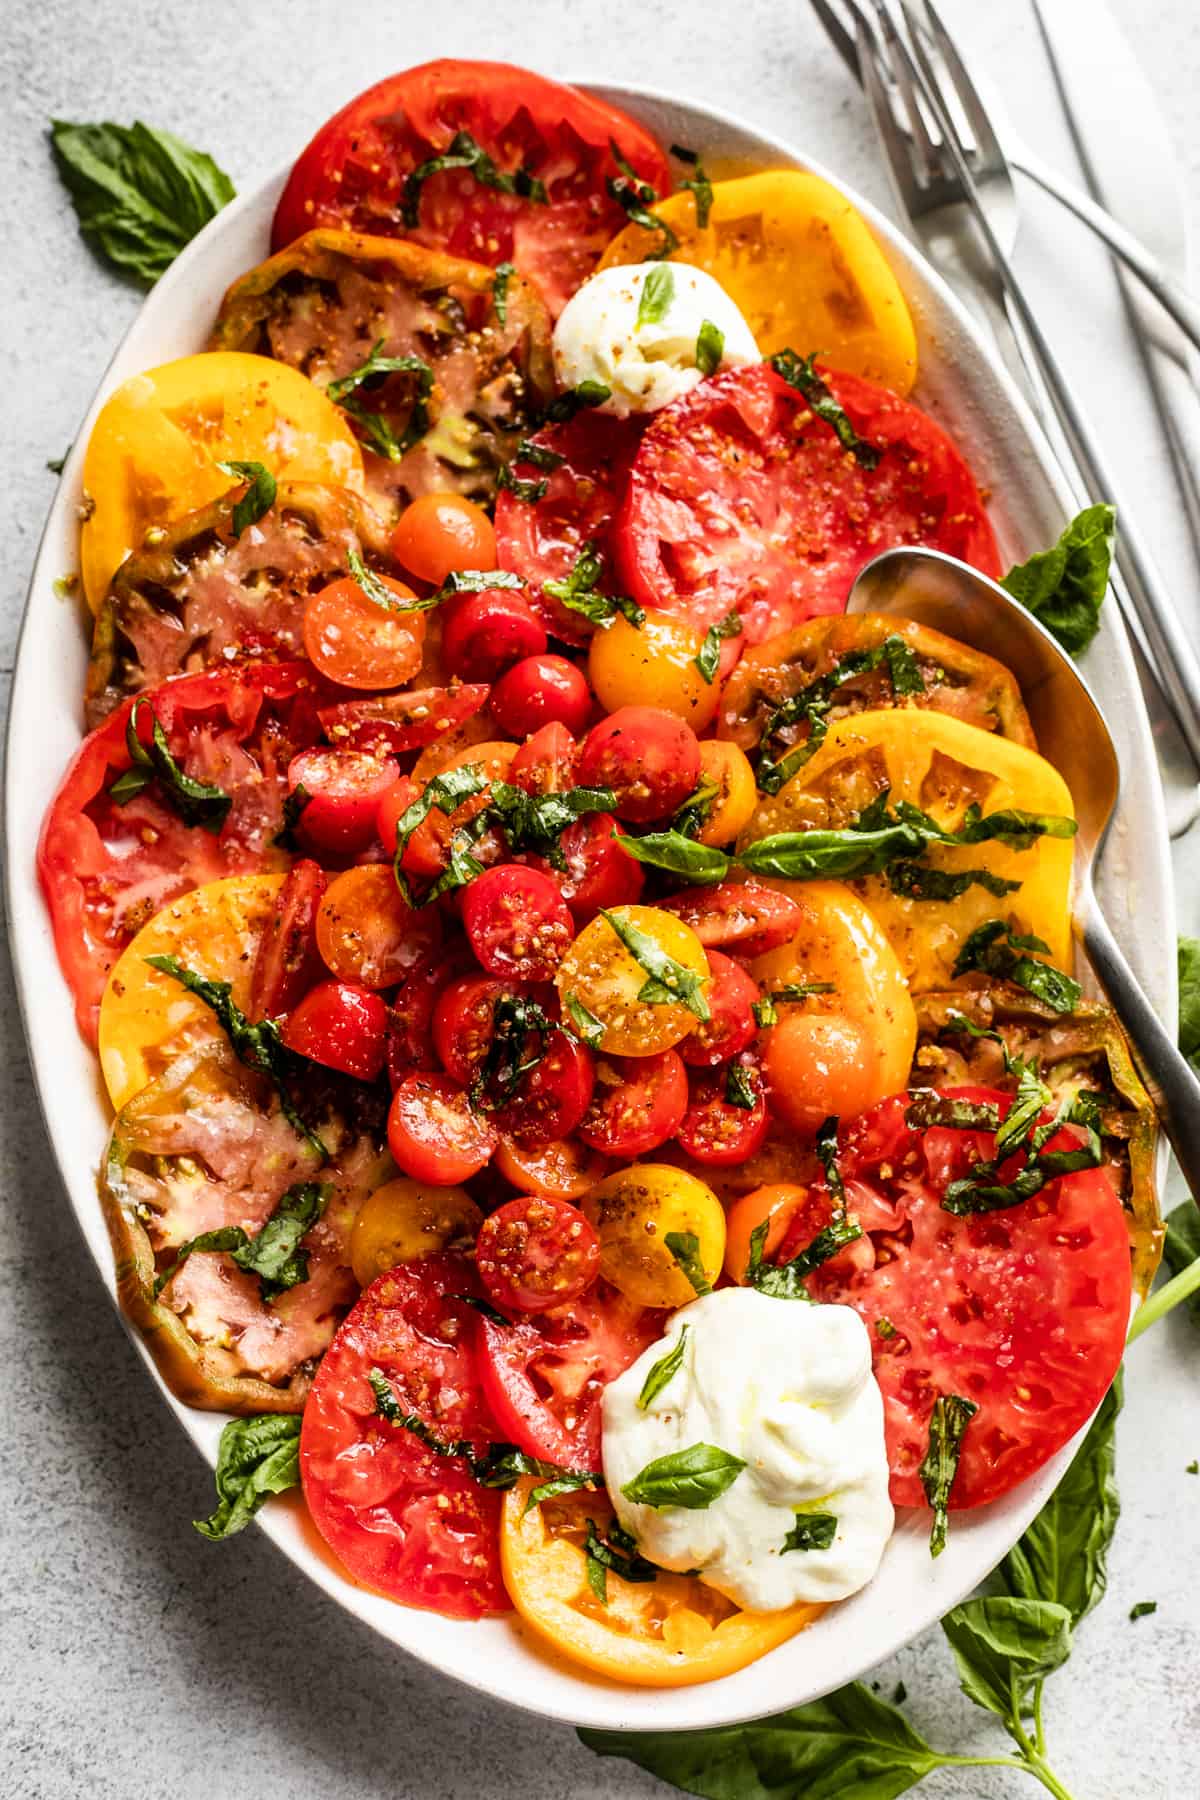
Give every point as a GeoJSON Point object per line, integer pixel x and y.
{"type": "Point", "coordinates": [669, 1632]}
{"type": "Point", "coordinates": [801, 264]}
{"type": "Point", "coordinates": [652, 664]}
{"type": "Point", "coordinates": [727, 769]}
{"type": "Point", "coordinates": [154, 449]}
{"type": "Point", "coordinates": [146, 1018]}
{"type": "Point", "coordinates": [603, 976]}
{"type": "Point", "coordinates": [634, 1211]}
{"type": "Point", "coordinates": [405, 1220]}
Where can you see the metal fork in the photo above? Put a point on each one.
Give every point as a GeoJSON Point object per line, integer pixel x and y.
{"type": "Point", "coordinates": [917, 97]}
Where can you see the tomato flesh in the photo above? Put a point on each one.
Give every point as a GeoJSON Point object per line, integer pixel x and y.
{"type": "Point", "coordinates": [358, 642]}
{"type": "Point", "coordinates": [484, 634]}
{"type": "Point", "coordinates": [717, 1132]}
{"type": "Point", "coordinates": [517, 922]}
{"type": "Point", "coordinates": [440, 533]}
{"type": "Point", "coordinates": [287, 961]}
{"type": "Point", "coordinates": [434, 1134]}
{"type": "Point", "coordinates": [735, 916]}
{"type": "Point", "coordinates": [388, 724]}
{"type": "Point", "coordinates": [546, 763]}
{"type": "Point", "coordinates": [649, 758]}
{"type": "Point", "coordinates": [598, 872]}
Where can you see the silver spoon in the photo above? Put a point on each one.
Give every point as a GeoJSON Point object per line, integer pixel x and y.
{"type": "Point", "coordinates": [940, 591]}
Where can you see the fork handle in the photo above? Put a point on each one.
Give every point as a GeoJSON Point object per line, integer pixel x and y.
{"type": "Point", "coordinates": [1173, 1085]}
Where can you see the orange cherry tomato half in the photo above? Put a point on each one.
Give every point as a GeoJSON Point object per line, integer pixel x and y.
{"type": "Point", "coordinates": [439, 533]}
{"type": "Point", "coordinates": [359, 643]}
{"type": "Point", "coordinates": [819, 1064]}
{"type": "Point", "coordinates": [777, 1203]}
{"type": "Point", "coordinates": [367, 932]}
{"type": "Point", "coordinates": [565, 1169]}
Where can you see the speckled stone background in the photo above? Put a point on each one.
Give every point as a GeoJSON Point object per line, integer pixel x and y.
{"type": "Point", "coordinates": [137, 1661]}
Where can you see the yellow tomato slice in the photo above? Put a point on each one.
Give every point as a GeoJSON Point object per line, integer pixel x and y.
{"type": "Point", "coordinates": [669, 1632]}
{"type": "Point", "coordinates": [802, 266]}
{"type": "Point", "coordinates": [154, 450]}
{"type": "Point", "coordinates": [634, 1211]}
{"type": "Point", "coordinates": [602, 975]}
{"type": "Point", "coordinates": [943, 766]}
{"type": "Point", "coordinates": [146, 1018]}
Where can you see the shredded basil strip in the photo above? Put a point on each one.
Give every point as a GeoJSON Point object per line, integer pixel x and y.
{"type": "Point", "coordinates": [927, 1108]}
{"type": "Point", "coordinates": [537, 821]}
{"type": "Point", "coordinates": [345, 392]}
{"type": "Point", "coordinates": [256, 1458]}
{"type": "Point", "coordinates": [710, 347]}
{"type": "Point", "coordinates": [196, 802]}
{"type": "Point", "coordinates": [799, 372]}
{"type": "Point", "coordinates": [500, 280]}
{"type": "Point", "coordinates": [379, 593]}
{"type": "Point", "coordinates": [741, 1086]}
{"type": "Point", "coordinates": [765, 1009]}
{"type": "Point", "coordinates": [587, 1027]}
{"type": "Point", "coordinates": [509, 1057]}
{"type": "Point", "coordinates": [273, 1253]}
{"type": "Point", "coordinates": [684, 1247]}
{"type": "Point", "coordinates": [634, 196]}
{"type": "Point", "coordinates": [709, 656]}
{"type": "Point", "coordinates": [564, 406]}
{"type": "Point", "coordinates": [465, 153]}
{"type": "Point", "coordinates": [259, 497]}
{"type": "Point", "coordinates": [994, 949]}
{"type": "Point", "coordinates": [697, 184]}
{"type": "Point", "coordinates": [616, 1550]}
{"type": "Point", "coordinates": [670, 983]}
{"type": "Point", "coordinates": [528, 492]}
{"type": "Point", "coordinates": [947, 1424]}
{"type": "Point", "coordinates": [443, 793]}
{"type": "Point", "coordinates": [786, 1281]}
{"type": "Point", "coordinates": [579, 591]}
{"type": "Point", "coordinates": [658, 291]}
{"type": "Point", "coordinates": [664, 1371]}
{"type": "Point", "coordinates": [694, 814]}
{"type": "Point", "coordinates": [812, 1531]}
{"type": "Point", "coordinates": [812, 705]}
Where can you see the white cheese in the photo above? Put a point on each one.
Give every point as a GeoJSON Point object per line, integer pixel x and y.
{"type": "Point", "coordinates": [787, 1387]}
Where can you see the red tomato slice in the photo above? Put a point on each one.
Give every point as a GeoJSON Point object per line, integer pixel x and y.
{"type": "Point", "coordinates": [410, 1044]}
{"type": "Point", "coordinates": [714, 1130]}
{"type": "Point", "coordinates": [540, 540]}
{"type": "Point", "coordinates": [731, 1024]}
{"type": "Point", "coordinates": [410, 1523]}
{"type": "Point", "coordinates": [353, 173]}
{"type": "Point", "coordinates": [598, 872]}
{"type": "Point", "coordinates": [390, 723]}
{"type": "Point", "coordinates": [106, 869]}
{"type": "Point", "coordinates": [736, 916]}
{"type": "Point", "coordinates": [546, 764]}
{"type": "Point", "coordinates": [463, 1020]}
{"type": "Point", "coordinates": [288, 962]}
{"type": "Point", "coordinates": [638, 1103]}
{"type": "Point", "coordinates": [433, 1133]}
{"type": "Point", "coordinates": [535, 1252]}
{"type": "Point", "coordinates": [741, 497]}
{"type": "Point", "coordinates": [649, 758]}
{"type": "Point", "coordinates": [543, 1378]}
{"type": "Point", "coordinates": [1024, 1311]}
{"type": "Point", "coordinates": [517, 922]}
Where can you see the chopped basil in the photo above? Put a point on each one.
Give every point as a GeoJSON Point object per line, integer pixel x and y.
{"type": "Point", "coordinates": [799, 372]}
{"type": "Point", "coordinates": [468, 581]}
{"type": "Point", "coordinates": [1064, 587]}
{"type": "Point", "coordinates": [140, 194]}
{"type": "Point", "coordinates": [616, 1550]}
{"type": "Point", "coordinates": [443, 794]}
{"type": "Point", "coordinates": [812, 704]}
{"type": "Point", "coordinates": [465, 153]}
{"type": "Point", "coordinates": [915, 881]}
{"type": "Point", "coordinates": [694, 814]}
{"type": "Point", "coordinates": [885, 1328]}
{"type": "Point", "coordinates": [947, 1423]}
{"type": "Point", "coordinates": [259, 497]}
{"type": "Point", "coordinates": [826, 1146]}
{"type": "Point", "coordinates": [225, 1237]}
{"type": "Point", "coordinates": [56, 464]}
{"type": "Point", "coordinates": [256, 1458]}
{"type": "Point", "coordinates": [634, 196]}
{"type": "Point", "coordinates": [528, 492]}
{"type": "Point", "coordinates": [684, 1247]}
{"type": "Point", "coordinates": [344, 392]}
{"type": "Point", "coordinates": [691, 1478]}
{"type": "Point", "coordinates": [710, 347]}
{"type": "Point", "coordinates": [587, 1027]}
{"type": "Point", "coordinates": [196, 802]}
{"type": "Point", "coordinates": [766, 1009]}
{"type": "Point", "coordinates": [575, 400]}
{"type": "Point", "coordinates": [927, 1108]}
{"type": "Point", "coordinates": [500, 280]}
{"type": "Point", "coordinates": [658, 291]}
{"type": "Point", "coordinates": [1029, 1102]}
{"type": "Point", "coordinates": [273, 1253]}
{"type": "Point", "coordinates": [537, 821]}
{"type": "Point", "coordinates": [697, 184]}
{"type": "Point", "coordinates": [709, 657]}
{"type": "Point", "coordinates": [981, 1192]}
{"type": "Point", "coordinates": [294, 803]}
{"type": "Point", "coordinates": [812, 1531]}
{"type": "Point", "coordinates": [1143, 1609]}
{"type": "Point", "coordinates": [540, 455]}
{"type": "Point", "coordinates": [579, 592]}
{"type": "Point", "coordinates": [379, 593]}
{"type": "Point", "coordinates": [670, 983]}
{"type": "Point", "coordinates": [741, 1086]}
{"type": "Point", "coordinates": [786, 1281]}
{"type": "Point", "coordinates": [509, 1058]}
{"type": "Point", "coordinates": [839, 855]}
{"type": "Point", "coordinates": [484, 1308]}
{"type": "Point", "coordinates": [567, 1481]}
{"type": "Point", "coordinates": [994, 949]}
{"type": "Point", "coordinates": [663, 1372]}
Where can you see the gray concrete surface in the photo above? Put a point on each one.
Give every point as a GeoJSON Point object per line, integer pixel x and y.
{"type": "Point", "coordinates": [135, 1660]}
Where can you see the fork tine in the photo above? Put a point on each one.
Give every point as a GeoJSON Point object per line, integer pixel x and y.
{"type": "Point", "coordinates": [897, 145]}
{"type": "Point", "coordinates": [908, 86]}
{"type": "Point", "coordinates": [931, 34]}
{"type": "Point", "coordinates": [839, 37]}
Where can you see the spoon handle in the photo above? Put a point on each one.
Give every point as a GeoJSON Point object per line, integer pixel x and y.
{"type": "Point", "coordinates": [1173, 1084]}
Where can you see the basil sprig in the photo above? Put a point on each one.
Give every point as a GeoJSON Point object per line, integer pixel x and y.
{"type": "Point", "coordinates": [691, 1478]}
{"type": "Point", "coordinates": [800, 373]}
{"type": "Point", "coordinates": [697, 184]}
{"type": "Point", "coordinates": [812, 1531]}
{"type": "Point", "coordinates": [994, 949]}
{"type": "Point", "coordinates": [196, 802]}
{"type": "Point", "coordinates": [696, 810]}
{"type": "Point", "coordinates": [811, 706]}
{"type": "Point", "coordinates": [259, 1046]}
{"type": "Point", "coordinates": [579, 592]}
{"type": "Point", "coordinates": [259, 497]}
{"type": "Point", "coordinates": [982, 1191]}
{"type": "Point", "coordinates": [658, 291]}
{"type": "Point", "coordinates": [273, 1253]}
{"type": "Point", "coordinates": [346, 392]}
{"type": "Point", "coordinates": [709, 657]}
{"type": "Point", "coordinates": [465, 153]}
{"type": "Point", "coordinates": [669, 982]}
{"type": "Point", "coordinates": [947, 1424]}
{"type": "Point", "coordinates": [684, 1247]}
{"type": "Point", "coordinates": [256, 1458]}
{"type": "Point", "coordinates": [635, 196]}
{"type": "Point", "coordinates": [664, 1371]}
{"type": "Point", "coordinates": [443, 794]}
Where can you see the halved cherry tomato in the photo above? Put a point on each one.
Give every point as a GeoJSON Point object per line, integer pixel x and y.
{"type": "Point", "coordinates": [410, 1024]}
{"type": "Point", "coordinates": [551, 1098]}
{"type": "Point", "coordinates": [433, 1133]}
{"type": "Point", "coordinates": [714, 1130]}
{"type": "Point", "coordinates": [408, 1522]}
{"type": "Point", "coordinates": [287, 962]}
{"type": "Point", "coordinates": [545, 1377]}
{"type": "Point", "coordinates": [654, 664]}
{"type": "Point", "coordinates": [538, 691]}
{"type": "Point", "coordinates": [395, 801]}
{"type": "Point", "coordinates": [695, 537]}
{"type": "Point", "coordinates": [340, 793]}
{"type": "Point", "coordinates": [463, 1020]}
{"type": "Point", "coordinates": [565, 1169]}
{"type": "Point", "coordinates": [774, 1205]}
{"type": "Point", "coordinates": [604, 978]}
{"type": "Point", "coordinates": [356, 170]}
{"type": "Point", "coordinates": [535, 1253]}
{"type": "Point", "coordinates": [340, 1026]}
{"type": "Point", "coordinates": [517, 922]}
{"type": "Point", "coordinates": [359, 643]}
{"type": "Point", "coordinates": [440, 533]}
{"type": "Point", "coordinates": [732, 806]}
{"type": "Point", "coordinates": [542, 540]}
{"type": "Point", "coordinates": [483, 634]}
{"type": "Point", "coordinates": [367, 932]}
{"type": "Point", "coordinates": [387, 724]}
{"type": "Point", "coordinates": [404, 1221]}
{"type": "Point", "coordinates": [649, 758]}
{"type": "Point", "coordinates": [635, 1210]}
{"type": "Point", "coordinates": [737, 916]}
{"type": "Point", "coordinates": [598, 872]}
{"type": "Point", "coordinates": [546, 763]}
{"type": "Point", "coordinates": [637, 1104]}
{"type": "Point", "coordinates": [731, 1024]}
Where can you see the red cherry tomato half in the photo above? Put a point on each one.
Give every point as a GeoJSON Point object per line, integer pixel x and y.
{"type": "Point", "coordinates": [358, 643]}
{"type": "Point", "coordinates": [517, 922]}
{"type": "Point", "coordinates": [546, 764]}
{"type": "Point", "coordinates": [463, 1021]}
{"type": "Point", "coordinates": [598, 872]}
{"type": "Point", "coordinates": [340, 1026]}
{"type": "Point", "coordinates": [551, 1098]}
{"type": "Point", "coordinates": [387, 724]}
{"type": "Point", "coordinates": [534, 1253]}
{"type": "Point", "coordinates": [440, 533]}
{"type": "Point", "coordinates": [433, 1133]}
{"type": "Point", "coordinates": [540, 691]}
{"type": "Point", "coordinates": [649, 758]}
{"type": "Point", "coordinates": [344, 789]}
{"type": "Point", "coordinates": [638, 1103]}
{"type": "Point", "coordinates": [544, 1377]}
{"type": "Point", "coordinates": [287, 961]}
{"type": "Point", "coordinates": [405, 1521]}
{"type": "Point", "coordinates": [483, 634]}
{"type": "Point", "coordinates": [715, 1130]}
{"type": "Point", "coordinates": [737, 916]}
{"type": "Point", "coordinates": [731, 1024]}
{"type": "Point", "coordinates": [392, 803]}
{"type": "Point", "coordinates": [410, 1042]}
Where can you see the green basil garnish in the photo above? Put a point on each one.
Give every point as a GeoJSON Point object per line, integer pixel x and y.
{"type": "Point", "coordinates": [709, 657]}
{"type": "Point", "coordinates": [799, 372]}
{"type": "Point", "coordinates": [658, 291]}
{"type": "Point", "coordinates": [579, 592]}
{"type": "Point", "coordinates": [947, 1423]}
{"type": "Point", "coordinates": [196, 802]}
{"type": "Point", "coordinates": [586, 1026]}
{"type": "Point", "coordinates": [741, 1086]}
{"type": "Point", "coordinates": [634, 196]}
{"type": "Point", "coordinates": [259, 497]}
{"type": "Point", "coordinates": [500, 280]}
{"type": "Point", "coordinates": [995, 950]}
{"type": "Point", "coordinates": [664, 1370]}
{"type": "Point", "coordinates": [256, 1458]}
{"type": "Point", "coordinates": [345, 392]}
{"type": "Point", "coordinates": [465, 153]}
{"type": "Point", "coordinates": [812, 1531]}
{"type": "Point", "coordinates": [684, 1247]}
{"type": "Point", "coordinates": [509, 1057]}
{"type": "Point", "coordinates": [710, 347]}
{"type": "Point", "coordinates": [669, 983]}
{"type": "Point", "coordinates": [766, 1009]}
{"type": "Point", "coordinates": [273, 1253]}
{"type": "Point", "coordinates": [691, 1478]}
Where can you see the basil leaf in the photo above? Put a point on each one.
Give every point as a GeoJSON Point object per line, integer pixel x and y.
{"type": "Point", "coordinates": [567, 1481]}
{"type": "Point", "coordinates": [345, 392]}
{"type": "Point", "coordinates": [196, 802]}
{"type": "Point", "coordinates": [658, 291]}
{"type": "Point", "coordinates": [587, 1027]}
{"type": "Point", "coordinates": [1189, 997]}
{"type": "Point", "coordinates": [140, 194]}
{"type": "Point", "coordinates": [903, 668]}
{"type": "Point", "coordinates": [294, 803]}
{"type": "Point", "coordinates": [465, 153]}
{"type": "Point", "coordinates": [537, 821]}
{"type": "Point", "coordinates": [255, 1458]}
{"type": "Point", "coordinates": [634, 195]}
{"type": "Point", "coordinates": [528, 492]}
{"type": "Point", "coordinates": [840, 855]}
{"type": "Point", "coordinates": [259, 1046]}
{"type": "Point", "coordinates": [500, 280]}
{"type": "Point", "coordinates": [274, 1254]}
{"type": "Point", "coordinates": [994, 950]}
{"type": "Point", "coordinates": [579, 592]}
{"type": "Point", "coordinates": [1143, 1609]}
{"type": "Point", "coordinates": [812, 704]}
{"type": "Point", "coordinates": [947, 1423]}
{"type": "Point", "coordinates": [799, 372]}
{"type": "Point", "coordinates": [694, 814]}
{"type": "Point", "coordinates": [826, 1146]}
{"type": "Point", "coordinates": [765, 1010]}
{"type": "Point", "coordinates": [710, 347]}
{"type": "Point", "coordinates": [1029, 1102]}
{"type": "Point", "coordinates": [741, 1086]}
{"type": "Point", "coordinates": [259, 497]}
{"type": "Point", "coordinates": [812, 1531]}
{"type": "Point", "coordinates": [483, 1307]}
{"type": "Point", "coordinates": [540, 455]}
{"type": "Point", "coordinates": [927, 1108]}
{"type": "Point", "coordinates": [697, 185]}
{"type": "Point", "coordinates": [678, 854]}
{"type": "Point", "coordinates": [388, 1407]}
{"type": "Point", "coordinates": [56, 464]}
{"type": "Point", "coordinates": [684, 1247]}
{"type": "Point", "coordinates": [1064, 587]}
{"type": "Point", "coordinates": [379, 593]}
{"type": "Point", "coordinates": [508, 1058]}
{"type": "Point", "coordinates": [670, 982]}
{"type": "Point", "coordinates": [619, 1553]}
{"type": "Point", "coordinates": [691, 1478]}
{"type": "Point", "coordinates": [445, 792]}
{"type": "Point", "coordinates": [916, 882]}
{"type": "Point", "coordinates": [1003, 1646]}
{"type": "Point", "coordinates": [225, 1237]}
{"type": "Point", "coordinates": [1181, 1247]}
{"type": "Point", "coordinates": [574, 400]}
{"type": "Point", "coordinates": [709, 657]}
{"type": "Point", "coordinates": [664, 1370]}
